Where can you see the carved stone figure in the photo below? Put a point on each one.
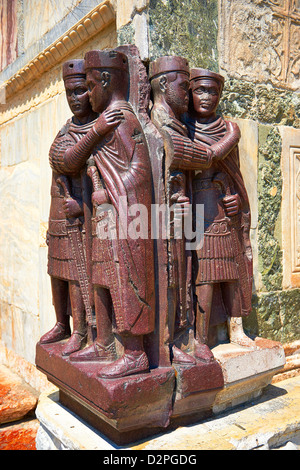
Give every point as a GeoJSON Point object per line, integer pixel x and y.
{"type": "Point", "coordinates": [169, 77]}
{"type": "Point", "coordinates": [123, 270]}
{"type": "Point", "coordinates": [144, 307]}
{"type": "Point", "coordinates": [225, 260]}
{"type": "Point", "coordinates": [66, 256]}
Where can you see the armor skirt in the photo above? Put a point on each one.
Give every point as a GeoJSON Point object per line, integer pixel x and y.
{"type": "Point", "coordinates": [216, 257]}
{"type": "Point", "coordinates": [61, 262]}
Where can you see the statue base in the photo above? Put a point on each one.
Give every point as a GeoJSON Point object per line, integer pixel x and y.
{"type": "Point", "coordinates": [119, 408]}
{"type": "Point", "coordinates": [138, 406]}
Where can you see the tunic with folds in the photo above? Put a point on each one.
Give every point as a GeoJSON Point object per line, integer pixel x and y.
{"type": "Point", "coordinates": [121, 263]}
{"type": "Point", "coordinates": [61, 262]}
{"type": "Point", "coordinates": [224, 255]}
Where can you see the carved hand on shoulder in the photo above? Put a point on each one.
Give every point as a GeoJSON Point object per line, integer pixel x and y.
{"type": "Point", "coordinates": [108, 121]}
{"type": "Point", "coordinates": [72, 208]}
{"type": "Point", "coordinates": [226, 144]}
{"type": "Point", "coordinates": [233, 128]}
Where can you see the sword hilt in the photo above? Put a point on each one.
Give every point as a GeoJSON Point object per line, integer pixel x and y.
{"type": "Point", "coordinates": [222, 179]}
{"type": "Point", "coordinates": [65, 184]}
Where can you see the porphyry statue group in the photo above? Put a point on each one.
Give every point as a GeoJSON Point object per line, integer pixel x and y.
{"type": "Point", "coordinates": [102, 157]}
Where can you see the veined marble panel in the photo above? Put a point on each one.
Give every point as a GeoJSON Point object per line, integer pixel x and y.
{"type": "Point", "coordinates": [290, 163]}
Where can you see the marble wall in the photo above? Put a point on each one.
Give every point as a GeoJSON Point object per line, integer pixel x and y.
{"type": "Point", "coordinates": [29, 122]}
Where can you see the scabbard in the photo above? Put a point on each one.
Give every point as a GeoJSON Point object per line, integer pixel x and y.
{"type": "Point", "coordinates": [79, 254]}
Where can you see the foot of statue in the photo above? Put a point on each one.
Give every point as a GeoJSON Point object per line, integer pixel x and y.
{"type": "Point", "coordinates": [95, 352]}
{"type": "Point", "coordinates": [75, 343]}
{"type": "Point", "coordinates": [203, 352]}
{"type": "Point", "coordinates": [182, 358]}
{"type": "Point", "coordinates": [57, 333]}
{"type": "Point", "coordinates": [128, 364]}
{"type": "Point", "coordinates": [243, 340]}
{"type": "Point", "coordinates": [237, 334]}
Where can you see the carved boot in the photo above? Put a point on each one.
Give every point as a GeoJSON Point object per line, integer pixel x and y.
{"type": "Point", "coordinates": [95, 352]}
{"type": "Point", "coordinates": [75, 343]}
{"type": "Point", "coordinates": [128, 364]}
{"type": "Point", "coordinates": [59, 332]}
{"type": "Point", "coordinates": [203, 352]}
{"type": "Point", "coordinates": [237, 334]}
{"type": "Point", "coordinates": [182, 358]}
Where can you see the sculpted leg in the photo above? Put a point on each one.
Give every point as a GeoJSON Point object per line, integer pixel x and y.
{"type": "Point", "coordinates": [60, 296]}
{"type": "Point", "coordinates": [103, 348]}
{"type": "Point", "coordinates": [78, 336]}
{"type": "Point", "coordinates": [231, 299]}
{"type": "Point", "coordinates": [204, 295]}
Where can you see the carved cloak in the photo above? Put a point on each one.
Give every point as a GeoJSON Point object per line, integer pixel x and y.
{"type": "Point", "coordinates": [238, 226]}
{"type": "Point", "coordinates": [125, 265]}
{"type": "Point", "coordinates": [61, 262]}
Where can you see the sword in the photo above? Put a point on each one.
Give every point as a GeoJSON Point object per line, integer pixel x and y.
{"type": "Point", "coordinates": [177, 185]}
{"type": "Point", "coordinates": [79, 254]}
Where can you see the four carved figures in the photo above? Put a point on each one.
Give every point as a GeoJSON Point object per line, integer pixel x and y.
{"type": "Point", "coordinates": [101, 250]}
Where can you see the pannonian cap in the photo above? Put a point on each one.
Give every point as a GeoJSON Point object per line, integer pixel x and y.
{"type": "Point", "coordinates": [73, 68]}
{"type": "Point", "coordinates": [106, 60]}
{"type": "Point", "coordinates": [168, 63]}
{"type": "Point", "coordinates": [200, 74]}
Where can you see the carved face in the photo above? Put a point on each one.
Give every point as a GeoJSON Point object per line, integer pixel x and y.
{"type": "Point", "coordinates": [206, 96]}
{"type": "Point", "coordinates": [177, 93]}
{"type": "Point", "coordinates": [98, 87]}
{"type": "Point", "coordinates": [77, 96]}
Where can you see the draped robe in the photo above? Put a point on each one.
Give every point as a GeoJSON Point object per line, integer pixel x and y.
{"type": "Point", "coordinates": [125, 265]}
{"type": "Point", "coordinates": [226, 254]}
{"type": "Point", "coordinates": [61, 262]}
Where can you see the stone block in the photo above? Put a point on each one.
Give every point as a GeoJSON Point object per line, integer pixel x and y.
{"type": "Point", "coordinates": [196, 389]}
{"type": "Point", "coordinates": [271, 422]}
{"type": "Point", "coordinates": [17, 399]}
{"type": "Point", "coordinates": [126, 9]}
{"type": "Point", "coordinates": [246, 371]}
{"type": "Point", "coordinates": [138, 406]}
{"type": "Point", "coordinates": [20, 436]}
{"type": "Point", "coordinates": [121, 408]}
{"type": "Point", "coordinates": [290, 158]}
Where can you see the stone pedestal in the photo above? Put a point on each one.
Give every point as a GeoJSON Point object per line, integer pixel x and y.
{"type": "Point", "coordinates": [246, 371]}
{"type": "Point", "coordinates": [138, 406]}
{"type": "Point", "coordinates": [196, 390]}
{"type": "Point", "coordinates": [124, 408]}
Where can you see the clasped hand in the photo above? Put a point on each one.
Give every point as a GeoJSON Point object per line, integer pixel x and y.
{"type": "Point", "coordinates": [232, 204]}
{"type": "Point", "coordinates": [72, 208]}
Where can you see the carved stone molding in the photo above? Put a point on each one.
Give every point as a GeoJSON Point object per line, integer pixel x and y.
{"type": "Point", "coordinates": [260, 41]}
{"type": "Point", "coordinates": [295, 193]}
{"type": "Point", "coordinates": [95, 21]}
{"type": "Point", "coordinates": [290, 164]}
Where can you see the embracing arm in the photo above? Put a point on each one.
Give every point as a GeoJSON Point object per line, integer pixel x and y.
{"type": "Point", "coordinates": [189, 155]}
{"type": "Point", "coordinates": [68, 158]}
{"type": "Point", "coordinates": [77, 156]}
{"type": "Point", "coordinates": [222, 148]}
